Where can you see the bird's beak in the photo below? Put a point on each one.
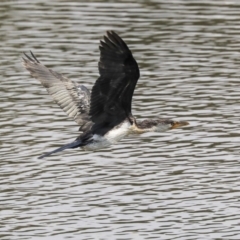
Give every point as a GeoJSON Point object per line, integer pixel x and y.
{"type": "Point", "coordinates": [179, 124]}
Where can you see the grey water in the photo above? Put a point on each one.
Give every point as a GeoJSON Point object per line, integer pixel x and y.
{"type": "Point", "coordinates": [182, 184]}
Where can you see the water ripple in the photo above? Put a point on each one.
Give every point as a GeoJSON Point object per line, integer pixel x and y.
{"type": "Point", "coordinates": [181, 184]}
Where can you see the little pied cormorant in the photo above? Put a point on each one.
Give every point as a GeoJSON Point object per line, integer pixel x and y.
{"type": "Point", "coordinates": [104, 115]}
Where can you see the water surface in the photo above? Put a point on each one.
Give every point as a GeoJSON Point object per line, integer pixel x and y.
{"type": "Point", "coordinates": [182, 184]}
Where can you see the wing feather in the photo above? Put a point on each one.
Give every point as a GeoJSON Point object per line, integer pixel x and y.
{"type": "Point", "coordinates": [72, 98]}
{"type": "Point", "coordinates": [111, 96]}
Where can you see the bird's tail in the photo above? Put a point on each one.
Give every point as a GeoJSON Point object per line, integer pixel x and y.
{"type": "Point", "coordinates": [75, 144]}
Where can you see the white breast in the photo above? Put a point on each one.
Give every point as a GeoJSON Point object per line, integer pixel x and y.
{"type": "Point", "coordinates": [118, 132]}
{"type": "Point", "coordinates": [111, 137]}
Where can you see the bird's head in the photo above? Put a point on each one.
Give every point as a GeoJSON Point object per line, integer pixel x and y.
{"type": "Point", "coordinates": [156, 125]}
{"type": "Point", "coordinates": [168, 124]}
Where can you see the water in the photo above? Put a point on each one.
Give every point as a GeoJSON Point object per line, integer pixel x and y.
{"type": "Point", "coordinates": [182, 184]}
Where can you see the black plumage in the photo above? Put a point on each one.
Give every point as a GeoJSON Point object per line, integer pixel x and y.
{"type": "Point", "coordinates": [111, 97]}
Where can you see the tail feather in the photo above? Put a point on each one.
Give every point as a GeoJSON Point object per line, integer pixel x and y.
{"type": "Point", "coordinates": [75, 144]}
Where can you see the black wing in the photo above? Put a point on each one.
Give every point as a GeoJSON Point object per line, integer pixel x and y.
{"type": "Point", "coordinates": [111, 96]}
{"type": "Point", "coordinates": [72, 98]}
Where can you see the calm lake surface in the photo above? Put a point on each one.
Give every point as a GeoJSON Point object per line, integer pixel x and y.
{"type": "Point", "coordinates": [182, 184]}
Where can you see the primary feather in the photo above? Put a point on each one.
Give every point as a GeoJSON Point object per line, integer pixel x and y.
{"type": "Point", "coordinates": [74, 99]}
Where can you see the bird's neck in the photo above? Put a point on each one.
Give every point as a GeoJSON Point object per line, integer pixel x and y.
{"type": "Point", "coordinates": [147, 125]}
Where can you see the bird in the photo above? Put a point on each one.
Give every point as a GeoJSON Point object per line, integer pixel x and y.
{"type": "Point", "coordinates": [104, 115]}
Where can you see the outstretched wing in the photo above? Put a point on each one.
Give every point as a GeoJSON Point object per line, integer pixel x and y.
{"type": "Point", "coordinates": [72, 98]}
{"type": "Point", "coordinates": [111, 96]}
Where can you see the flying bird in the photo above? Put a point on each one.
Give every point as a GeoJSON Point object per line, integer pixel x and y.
{"type": "Point", "coordinates": [105, 114]}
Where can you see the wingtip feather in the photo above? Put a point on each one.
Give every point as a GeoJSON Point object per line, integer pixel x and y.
{"type": "Point", "coordinates": [32, 59]}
